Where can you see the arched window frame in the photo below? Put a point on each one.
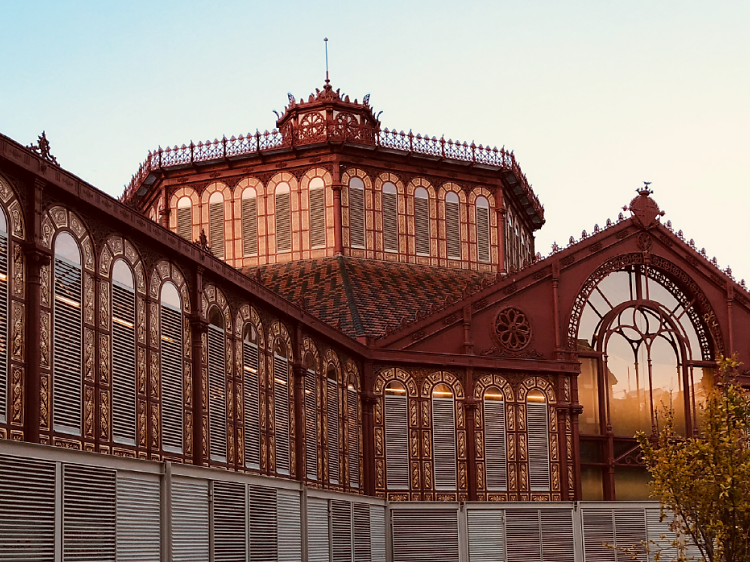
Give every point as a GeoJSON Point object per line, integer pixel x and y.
{"type": "Point", "coordinates": [249, 218]}
{"type": "Point", "coordinates": [543, 478]}
{"type": "Point", "coordinates": [216, 219]}
{"type": "Point", "coordinates": [491, 239]}
{"type": "Point", "coordinates": [312, 408]}
{"type": "Point", "coordinates": [282, 450]}
{"type": "Point", "coordinates": [250, 413]}
{"type": "Point", "coordinates": [457, 234]}
{"type": "Point", "coordinates": [283, 228]}
{"type": "Point", "coordinates": [317, 203]}
{"type": "Point", "coordinates": [422, 220]}
{"type": "Point", "coordinates": [185, 223]}
{"type": "Point", "coordinates": [333, 416]}
{"type": "Point", "coordinates": [390, 217]}
{"type": "Point", "coordinates": [353, 434]}
{"type": "Point", "coordinates": [366, 249]}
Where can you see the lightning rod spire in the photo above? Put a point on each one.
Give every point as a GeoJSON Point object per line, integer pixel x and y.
{"type": "Point", "coordinates": [325, 40]}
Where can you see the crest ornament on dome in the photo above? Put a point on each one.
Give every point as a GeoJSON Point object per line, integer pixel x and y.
{"type": "Point", "coordinates": [644, 209]}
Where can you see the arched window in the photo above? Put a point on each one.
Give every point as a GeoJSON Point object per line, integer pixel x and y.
{"type": "Point", "coordinates": [281, 409]}
{"type": "Point", "coordinates": [217, 384]}
{"type": "Point", "coordinates": [332, 406]}
{"type": "Point", "coordinates": [3, 316]}
{"type": "Point", "coordinates": [66, 378]}
{"type": "Point", "coordinates": [357, 212]}
{"type": "Point", "coordinates": [537, 425]}
{"type": "Point", "coordinates": [317, 213]}
{"type": "Point", "coordinates": [252, 396]}
{"type": "Point", "coordinates": [249, 222]}
{"type": "Point", "coordinates": [397, 436]}
{"type": "Point", "coordinates": [216, 223]}
{"type": "Point", "coordinates": [390, 217]}
{"type": "Point", "coordinates": [185, 218]}
{"type": "Point", "coordinates": [422, 221]}
{"type": "Point", "coordinates": [452, 226]}
{"type": "Point", "coordinates": [483, 230]}
{"type": "Point", "coordinates": [444, 437]}
{"type": "Point", "coordinates": [495, 440]}
{"type": "Point", "coordinates": [352, 428]}
{"type": "Point", "coordinates": [311, 416]}
{"type": "Point", "coordinates": [283, 218]}
{"type": "Point", "coordinates": [123, 354]}
{"type": "Point", "coordinates": [171, 369]}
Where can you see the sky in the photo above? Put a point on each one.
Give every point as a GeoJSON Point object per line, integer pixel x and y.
{"type": "Point", "coordinates": [594, 97]}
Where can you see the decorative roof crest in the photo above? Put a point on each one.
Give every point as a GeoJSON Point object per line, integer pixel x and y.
{"type": "Point", "coordinates": [42, 149]}
{"type": "Point", "coordinates": [645, 211]}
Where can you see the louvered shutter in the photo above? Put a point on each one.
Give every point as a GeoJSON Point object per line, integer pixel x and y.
{"type": "Point", "coordinates": [66, 378]}
{"type": "Point", "coordinates": [390, 222]}
{"type": "Point", "coordinates": [123, 364]}
{"type": "Point", "coordinates": [229, 522]}
{"type": "Point", "coordinates": [495, 445]}
{"type": "Point", "coordinates": [352, 428]}
{"type": "Point", "coordinates": [522, 537]}
{"type": "Point", "coordinates": [453, 230]}
{"type": "Point", "coordinates": [630, 532]}
{"type": "Point", "coordinates": [598, 530]}
{"type": "Point", "coordinates": [185, 222]}
{"type": "Point", "coordinates": [217, 403]}
{"type": "Point", "coordinates": [333, 431]}
{"type": "Point", "coordinates": [318, 543]}
{"type": "Point", "coordinates": [171, 379]}
{"type": "Point", "coordinates": [538, 446]}
{"type": "Point", "coordinates": [558, 543]}
{"type": "Point", "coordinates": [483, 234]}
{"type": "Point", "coordinates": [190, 521]}
{"type": "Point", "coordinates": [422, 225]}
{"type": "Point", "coordinates": [397, 442]}
{"type": "Point", "coordinates": [3, 326]}
{"type": "Point", "coordinates": [289, 535]}
{"type": "Point", "coordinates": [252, 404]}
{"type": "Point", "coordinates": [216, 228]}
{"type": "Point", "coordinates": [361, 534]}
{"type": "Point", "coordinates": [377, 533]}
{"type": "Point", "coordinates": [356, 215]}
{"type": "Point", "coordinates": [249, 226]}
{"type": "Point", "coordinates": [317, 218]}
{"type": "Point", "coordinates": [444, 443]}
{"type": "Point", "coordinates": [27, 509]}
{"type": "Point", "coordinates": [281, 398]}
{"type": "Point", "coordinates": [311, 426]}
{"type": "Point", "coordinates": [263, 529]}
{"type": "Point", "coordinates": [425, 535]}
{"type": "Point", "coordinates": [341, 531]}
{"type": "Point", "coordinates": [283, 223]}
{"type": "Point", "coordinates": [89, 514]}
{"type": "Point", "coordinates": [138, 517]}
{"type": "Point", "coordinates": [486, 535]}
{"type": "Point", "coordinates": [656, 528]}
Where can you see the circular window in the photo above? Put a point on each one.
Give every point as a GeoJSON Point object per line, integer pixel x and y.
{"type": "Point", "coordinates": [512, 330]}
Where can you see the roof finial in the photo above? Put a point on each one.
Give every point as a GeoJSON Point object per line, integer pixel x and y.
{"type": "Point", "coordinates": [645, 190]}
{"type": "Point", "coordinates": [328, 82]}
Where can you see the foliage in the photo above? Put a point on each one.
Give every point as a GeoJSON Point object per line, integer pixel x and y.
{"type": "Point", "coordinates": [705, 480]}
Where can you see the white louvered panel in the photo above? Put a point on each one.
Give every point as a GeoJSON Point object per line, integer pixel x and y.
{"type": "Point", "coordinates": [558, 543]}
{"type": "Point", "coordinates": [27, 510]}
{"type": "Point", "coordinates": [422, 225]}
{"type": "Point", "coordinates": [538, 446]}
{"type": "Point", "coordinates": [453, 230]}
{"type": "Point", "coordinates": [189, 520]}
{"type": "Point", "coordinates": [263, 529]}
{"type": "Point", "coordinates": [252, 404]}
{"type": "Point", "coordinates": [656, 528]}
{"type": "Point", "coordinates": [3, 326]}
{"type": "Point", "coordinates": [66, 378]}
{"type": "Point", "coordinates": [444, 443]}
{"type": "Point", "coordinates": [522, 538]}
{"type": "Point", "coordinates": [138, 517]}
{"type": "Point", "coordinates": [217, 403]}
{"type": "Point", "coordinates": [341, 531]}
{"type": "Point", "coordinates": [123, 364]}
{"type": "Point", "coordinates": [494, 445]}
{"type": "Point", "coordinates": [333, 431]}
{"type": "Point", "coordinates": [483, 234]}
{"type": "Point", "coordinates": [249, 227]}
{"type": "Point", "coordinates": [318, 544]}
{"type": "Point", "coordinates": [89, 514]}
{"type": "Point", "coordinates": [216, 228]}
{"type": "Point", "coordinates": [630, 532]}
{"type": "Point", "coordinates": [317, 218]}
{"type": "Point", "coordinates": [281, 397]}
{"type": "Point", "coordinates": [311, 425]}
{"type": "Point", "coordinates": [598, 530]}
{"type": "Point", "coordinates": [283, 223]}
{"type": "Point", "coordinates": [486, 535]}
{"type": "Point", "coordinates": [357, 216]}
{"type": "Point", "coordinates": [185, 222]}
{"type": "Point", "coordinates": [361, 532]}
{"type": "Point", "coordinates": [352, 428]}
{"type": "Point", "coordinates": [390, 222]}
{"type": "Point", "coordinates": [229, 522]}
{"type": "Point", "coordinates": [397, 442]}
{"type": "Point", "coordinates": [171, 379]}
{"type": "Point", "coordinates": [425, 535]}
{"type": "Point", "coordinates": [289, 535]}
{"type": "Point", "coordinates": [377, 533]}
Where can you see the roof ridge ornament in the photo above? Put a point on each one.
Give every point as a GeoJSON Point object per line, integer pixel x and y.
{"type": "Point", "coordinates": [42, 148]}
{"type": "Point", "coordinates": [644, 210]}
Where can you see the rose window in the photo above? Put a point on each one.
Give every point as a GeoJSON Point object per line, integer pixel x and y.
{"type": "Point", "coordinates": [512, 329]}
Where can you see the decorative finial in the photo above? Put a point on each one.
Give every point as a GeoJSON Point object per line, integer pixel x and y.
{"type": "Point", "coordinates": [42, 149]}
{"type": "Point", "coordinates": [328, 82]}
{"type": "Point", "coordinates": [645, 190]}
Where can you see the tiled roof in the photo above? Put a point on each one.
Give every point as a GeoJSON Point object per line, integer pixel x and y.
{"type": "Point", "coordinates": [366, 296]}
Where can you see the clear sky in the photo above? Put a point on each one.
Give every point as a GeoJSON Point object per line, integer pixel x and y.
{"type": "Point", "coordinates": [594, 97]}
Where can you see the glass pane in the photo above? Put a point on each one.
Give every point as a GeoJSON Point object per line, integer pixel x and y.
{"type": "Point", "coordinates": [420, 193]}
{"type": "Point", "coordinates": [591, 451]}
{"type": "Point", "coordinates": [170, 296]}
{"type": "Point", "coordinates": [316, 183]}
{"type": "Point", "coordinates": [395, 388]}
{"type": "Point", "coordinates": [631, 483]}
{"type": "Point", "coordinates": [588, 396]}
{"type": "Point", "coordinates": [216, 197]}
{"type": "Point", "coordinates": [493, 394]}
{"type": "Point", "coordinates": [442, 391]}
{"type": "Point", "coordinates": [249, 193]}
{"type": "Point", "coordinates": [66, 248]}
{"type": "Point", "coordinates": [592, 488]}
{"type": "Point", "coordinates": [389, 187]}
{"type": "Point", "coordinates": [251, 335]}
{"type": "Point", "coordinates": [628, 389]}
{"type": "Point", "coordinates": [3, 222]}
{"type": "Point", "coordinates": [451, 197]}
{"type": "Point", "coordinates": [121, 274]}
{"type": "Point", "coordinates": [215, 318]}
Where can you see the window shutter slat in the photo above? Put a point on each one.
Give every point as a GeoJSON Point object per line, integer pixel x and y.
{"type": "Point", "coordinates": [390, 222]}
{"type": "Point", "coordinates": [249, 227]}
{"type": "Point", "coordinates": [229, 522]}
{"type": "Point", "coordinates": [318, 544]}
{"type": "Point", "coordinates": [425, 535]}
{"type": "Point", "coordinates": [495, 445]}
{"type": "Point", "coordinates": [190, 520]}
{"type": "Point", "coordinates": [422, 225]}
{"type": "Point", "coordinates": [217, 403]}
{"type": "Point", "coordinates": [311, 426]}
{"type": "Point", "coordinates": [357, 216]}
{"type": "Point", "coordinates": [377, 533]}
{"type": "Point", "coordinates": [216, 228]}
{"type": "Point", "coordinates": [123, 365]}
{"type": "Point", "coordinates": [361, 534]}
{"type": "Point", "coordinates": [66, 379]}
{"type": "Point", "coordinates": [598, 530]}
{"type": "Point", "coordinates": [138, 517]}
{"type": "Point", "coordinates": [252, 404]}
{"type": "Point", "coordinates": [317, 218]}
{"type": "Point", "coordinates": [283, 223]}
{"type": "Point", "coordinates": [89, 514]}
{"type": "Point", "coordinates": [538, 446]}
{"type": "Point", "coordinates": [281, 398]}
{"type": "Point", "coordinates": [558, 542]}
{"type": "Point", "coordinates": [444, 443]}
{"type": "Point", "coordinates": [486, 536]}
{"type": "Point", "coordinates": [341, 531]}
{"type": "Point", "coordinates": [171, 378]}
{"type": "Point", "coordinates": [289, 536]}
{"type": "Point", "coordinates": [483, 234]}
{"type": "Point", "coordinates": [263, 528]}
{"type": "Point", "coordinates": [630, 531]}
{"type": "Point", "coordinates": [352, 428]}
{"type": "Point", "coordinates": [522, 536]}
{"type": "Point", "coordinates": [333, 431]}
{"type": "Point", "coordinates": [453, 230]}
{"type": "Point", "coordinates": [185, 222]}
{"type": "Point", "coordinates": [397, 442]}
{"type": "Point", "coordinates": [3, 326]}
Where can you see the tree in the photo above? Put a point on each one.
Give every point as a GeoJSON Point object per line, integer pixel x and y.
{"type": "Point", "coordinates": [705, 480]}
